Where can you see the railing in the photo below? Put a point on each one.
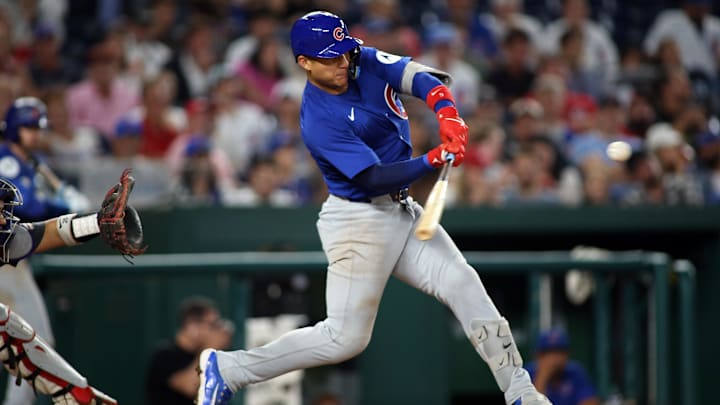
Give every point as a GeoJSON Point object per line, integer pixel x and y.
{"type": "Point", "coordinates": [648, 272]}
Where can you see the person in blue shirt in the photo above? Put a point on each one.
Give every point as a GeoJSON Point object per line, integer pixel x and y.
{"type": "Point", "coordinates": [356, 129]}
{"type": "Point", "coordinates": [564, 381]}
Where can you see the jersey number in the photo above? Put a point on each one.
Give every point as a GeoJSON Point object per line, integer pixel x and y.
{"type": "Point", "coordinates": [387, 58]}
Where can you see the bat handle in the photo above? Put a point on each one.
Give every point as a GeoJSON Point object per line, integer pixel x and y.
{"type": "Point", "coordinates": [449, 159]}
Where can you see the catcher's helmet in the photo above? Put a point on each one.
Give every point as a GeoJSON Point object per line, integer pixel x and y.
{"type": "Point", "coordinates": [27, 112]}
{"type": "Point", "coordinates": [320, 34]}
{"type": "Point", "coordinates": [11, 198]}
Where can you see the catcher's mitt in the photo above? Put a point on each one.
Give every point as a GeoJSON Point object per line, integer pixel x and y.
{"type": "Point", "coordinates": [119, 223]}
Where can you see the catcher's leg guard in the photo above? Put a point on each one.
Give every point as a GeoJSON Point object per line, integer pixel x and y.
{"type": "Point", "coordinates": [29, 357]}
{"type": "Point", "coordinates": [495, 344]}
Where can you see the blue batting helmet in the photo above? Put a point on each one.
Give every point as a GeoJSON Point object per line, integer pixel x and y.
{"type": "Point", "coordinates": [320, 34]}
{"type": "Point", "coordinates": [10, 197]}
{"type": "Point", "coordinates": [24, 112]}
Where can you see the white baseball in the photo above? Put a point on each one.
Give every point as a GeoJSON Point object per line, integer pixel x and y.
{"type": "Point", "coordinates": [619, 151]}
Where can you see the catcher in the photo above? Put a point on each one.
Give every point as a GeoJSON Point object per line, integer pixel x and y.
{"type": "Point", "coordinates": [25, 355]}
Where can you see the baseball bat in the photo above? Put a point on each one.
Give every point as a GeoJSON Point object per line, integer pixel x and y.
{"type": "Point", "coordinates": [53, 180]}
{"type": "Point", "coordinates": [435, 204]}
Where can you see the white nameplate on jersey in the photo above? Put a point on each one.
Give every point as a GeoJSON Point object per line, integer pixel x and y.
{"type": "Point", "coordinates": [9, 167]}
{"type": "Point", "coordinates": [387, 58]}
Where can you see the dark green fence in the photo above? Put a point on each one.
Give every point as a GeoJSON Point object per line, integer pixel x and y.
{"type": "Point", "coordinates": [128, 308]}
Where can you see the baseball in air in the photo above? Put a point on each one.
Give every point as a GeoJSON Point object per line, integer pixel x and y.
{"type": "Point", "coordinates": [619, 151]}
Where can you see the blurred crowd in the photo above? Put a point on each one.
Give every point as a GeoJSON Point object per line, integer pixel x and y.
{"type": "Point", "coordinates": [202, 98]}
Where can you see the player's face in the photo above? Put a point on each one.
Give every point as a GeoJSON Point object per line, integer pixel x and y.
{"type": "Point", "coordinates": [329, 74]}
{"type": "Point", "coordinates": [30, 138]}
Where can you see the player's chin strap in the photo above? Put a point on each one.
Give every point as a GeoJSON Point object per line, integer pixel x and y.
{"type": "Point", "coordinates": [29, 357]}
{"type": "Point", "coordinates": [495, 344]}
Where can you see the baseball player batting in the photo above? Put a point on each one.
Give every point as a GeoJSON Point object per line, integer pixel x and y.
{"type": "Point", "coordinates": [357, 131]}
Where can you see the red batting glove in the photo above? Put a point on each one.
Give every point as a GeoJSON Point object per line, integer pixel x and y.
{"type": "Point", "coordinates": [452, 127]}
{"type": "Point", "coordinates": [439, 155]}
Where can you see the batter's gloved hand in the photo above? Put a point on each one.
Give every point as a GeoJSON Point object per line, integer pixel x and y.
{"type": "Point", "coordinates": [439, 155]}
{"type": "Point", "coordinates": [452, 127]}
{"type": "Point", "coordinates": [119, 223]}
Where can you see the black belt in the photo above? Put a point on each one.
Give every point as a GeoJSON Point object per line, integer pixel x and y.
{"type": "Point", "coordinates": [397, 196]}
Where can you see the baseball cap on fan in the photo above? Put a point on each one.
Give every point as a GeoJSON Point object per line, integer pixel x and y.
{"type": "Point", "coordinates": [552, 340]}
{"type": "Point", "coordinates": [320, 34]}
{"type": "Point", "coordinates": [662, 135]}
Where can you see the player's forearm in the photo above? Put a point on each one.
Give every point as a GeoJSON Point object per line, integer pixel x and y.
{"type": "Point", "coordinates": [390, 177]}
{"type": "Point", "coordinates": [425, 87]}
{"type": "Point", "coordinates": [68, 230]}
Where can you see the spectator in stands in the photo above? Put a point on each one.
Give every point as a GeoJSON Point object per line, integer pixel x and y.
{"type": "Point", "coordinates": [562, 380]}
{"type": "Point", "coordinates": [484, 171]}
{"type": "Point", "coordinates": [69, 149]}
{"type": "Point", "coordinates": [262, 72]}
{"type": "Point", "coordinates": [162, 122]}
{"type": "Point", "coordinates": [696, 32]}
{"type": "Point", "coordinates": [641, 184]}
{"type": "Point", "coordinates": [708, 149]}
{"type": "Point", "coordinates": [382, 26]}
{"type": "Point", "coordinates": [672, 94]}
{"type": "Point", "coordinates": [557, 172]}
{"type": "Point", "coordinates": [171, 376]}
{"type": "Point", "coordinates": [526, 185]}
{"type": "Point", "coordinates": [262, 23]}
{"type": "Point", "coordinates": [581, 78]}
{"type": "Point", "coordinates": [241, 128]}
{"type": "Point", "coordinates": [286, 146]}
{"type": "Point", "coordinates": [194, 62]}
{"type": "Point", "coordinates": [198, 183]}
{"type": "Point", "coordinates": [513, 77]}
{"type": "Point", "coordinates": [551, 92]}
{"type": "Point", "coordinates": [145, 55]}
{"type": "Point", "coordinates": [101, 99]}
{"type": "Point", "coordinates": [127, 139]}
{"type": "Point", "coordinates": [507, 15]}
{"type": "Point", "coordinates": [443, 52]}
{"type": "Point", "coordinates": [11, 67]}
{"type": "Point", "coordinates": [48, 67]}
{"type": "Point", "coordinates": [681, 182]}
{"type": "Point", "coordinates": [641, 114]}
{"type": "Point", "coordinates": [200, 125]}
{"type": "Point", "coordinates": [599, 51]}
{"type": "Point", "coordinates": [524, 119]}
{"type": "Point", "coordinates": [262, 188]}
{"type": "Point", "coordinates": [596, 182]}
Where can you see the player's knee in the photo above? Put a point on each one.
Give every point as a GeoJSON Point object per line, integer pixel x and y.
{"type": "Point", "coordinates": [347, 348]}
{"type": "Point", "coordinates": [460, 281]}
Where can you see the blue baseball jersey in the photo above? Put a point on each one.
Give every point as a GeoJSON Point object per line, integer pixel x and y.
{"type": "Point", "coordinates": [366, 125]}
{"type": "Point", "coordinates": [574, 385]}
{"type": "Point", "coordinates": [37, 205]}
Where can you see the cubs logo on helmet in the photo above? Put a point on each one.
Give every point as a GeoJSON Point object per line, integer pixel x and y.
{"type": "Point", "coordinates": [320, 34]}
